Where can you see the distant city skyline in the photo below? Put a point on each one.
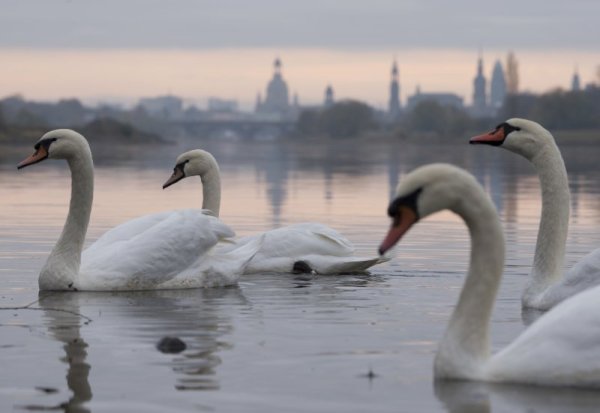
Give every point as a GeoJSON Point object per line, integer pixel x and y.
{"type": "Point", "coordinates": [126, 75]}
{"type": "Point", "coordinates": [120, 51]}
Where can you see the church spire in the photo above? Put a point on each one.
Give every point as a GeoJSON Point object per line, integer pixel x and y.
{"type": "Point", "coordinates": [575, 81]}
{"type": "Point", "coordinates": [329, 99]}
{"type": "Point", "coordinates": [479, 90]}
{"type": "Point", "coordinates": [277, 66]}
{"type": "Point", "coordinates": [394, 104]}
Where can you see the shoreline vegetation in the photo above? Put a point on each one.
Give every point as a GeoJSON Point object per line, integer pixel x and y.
{"type": "Point", "coordinates": [572, 116]}
{"type": "Point", "coordinates": [99, 131]}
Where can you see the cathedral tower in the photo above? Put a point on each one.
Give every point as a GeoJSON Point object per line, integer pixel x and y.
{"type": "Point", "coordinates": [479, 95]}
{"type": "Point", "coordinates": [394, 105]}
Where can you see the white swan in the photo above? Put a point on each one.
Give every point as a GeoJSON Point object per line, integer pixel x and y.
{"type": "Point", "coordinates": [547, 286]}
{"type": "Point", "coordinates": [305, 247]}
{"type": "Point", "coordinates": [166, 250]}
{"type": "Point", "coordinates": [561, 348]}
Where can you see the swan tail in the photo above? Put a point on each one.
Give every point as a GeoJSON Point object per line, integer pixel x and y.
{"type": "Point", "coordinates": [348, 265]}
{"type": "Point", "coordinates": [230, 265]}
{"type": "Point", "coordinates": [249, 250]}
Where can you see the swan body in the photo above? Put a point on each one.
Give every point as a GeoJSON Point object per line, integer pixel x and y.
{"type": "Point", "coordinates": [321, 248]}
{"type": "Point", "coordinates": [547, 286]}
{"type": "Point", "coordinates": [559, 349]}
{"type": "Point", "coordinates": [173, 249]}
{"type": "Point", "coordinates": [304, 247]}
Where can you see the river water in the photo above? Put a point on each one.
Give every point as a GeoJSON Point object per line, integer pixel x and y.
{"type": "Point", "coordinates": [280, 343]}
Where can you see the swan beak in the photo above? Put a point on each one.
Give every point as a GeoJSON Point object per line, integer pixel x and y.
{"type": "Point", "coordinates": [177, 176]}
{"type": "Point", "coordinates": [404, 219]}
{"type": "Point", "coordinates": [38, 156]}
{"type": "Point", "coordinates": [495, 138]}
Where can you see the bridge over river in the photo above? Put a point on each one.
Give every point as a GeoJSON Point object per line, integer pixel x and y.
{"type": "Point", "coordinates": [260, 129]}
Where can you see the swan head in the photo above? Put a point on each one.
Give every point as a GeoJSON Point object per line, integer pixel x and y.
{"type": "Point", "coordinates": [521, 136]}
{"type": "Point", "coordinates": [424, 191]}
{"type": "Point", "coordinates": [191, 163]}
{"type": "Point", "coordinates": [57, 144]}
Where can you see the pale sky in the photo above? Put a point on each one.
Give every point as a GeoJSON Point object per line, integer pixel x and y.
{"type": "Point", "coordinates": [120, 50]}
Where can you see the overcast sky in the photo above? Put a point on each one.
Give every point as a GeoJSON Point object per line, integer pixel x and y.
{"type": "Point", "coordinates": [123, 49]}
{"type": "Point", "coordinates": [347, 24]}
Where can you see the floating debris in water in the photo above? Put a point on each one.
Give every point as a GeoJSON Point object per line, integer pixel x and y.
{"type": "Point", "coordinates": [370, 375]}
{"type": "Point", "coordinates": [171, 345]}
{"type": "Point", "coordinates": [47, 390]}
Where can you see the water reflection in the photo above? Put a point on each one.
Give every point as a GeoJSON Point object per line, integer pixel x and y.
{"type": "Point", "coordinates": [64, 325]}
{"type": "Point", "coordinates": [275, 174]}
{"type": "Point", "coordinates": [327, 330]}
{"type": "Point", "coordinates": [476, 397]}
{"type": "Point", "coordinates": [141, 318]}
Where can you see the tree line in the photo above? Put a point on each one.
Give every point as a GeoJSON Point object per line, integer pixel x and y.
{"type": "Point", "coordinates": [557, 109]}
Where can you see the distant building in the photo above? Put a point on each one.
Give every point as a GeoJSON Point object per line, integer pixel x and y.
{"type": "Point", "coordinates": [276, 100]}
{"type": "Point", "coordinates": [329, 98]}
{"type": "Point", "coordinates": [394, 104]}
{"type": "Point", "coordinates": [480, 106]}
{"type": "Point", "coordinates": [222, 105]}
{"type": "Point", "coordinates": [512, 74]}
{"type": "Point", "coordinates": [168, 107]}
{"type": "Point", "coordinates": [444, 99]}
{"type": "Point", "coordinates": [498, 87]}
{"type": "Point", "coordinates": [575, 82]}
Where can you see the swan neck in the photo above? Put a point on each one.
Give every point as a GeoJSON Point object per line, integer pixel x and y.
{"type": "Point", "coordinates": [62, 267]}
{"type": "Point", "coordinates": [211, 190]}
{"type": "Point", "coordinates": [554, 223]}
{"type": "Point", "coordinates": [466, 344]}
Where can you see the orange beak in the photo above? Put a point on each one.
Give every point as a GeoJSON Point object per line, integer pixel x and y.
{"type": "Point", "coordinates": [177, 176]}
{"type": "Point", "coordinates": [406, 218]}
{"type": "Point", "coordinates": [493, 138]}
{"type": "Point", "coordinates": [38, 156]}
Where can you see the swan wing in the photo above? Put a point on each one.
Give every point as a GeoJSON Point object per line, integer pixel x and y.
{"type": "Point", "coordinates": [322, 248]}
{"type": "Point", "coordinates": [147, 251]}
{"type": "Point", "coordinates": [582, 276]}
{"type": "Point", "coordinates": [560, 348]}
{"type": "Point", "coordinates": [217, 268]}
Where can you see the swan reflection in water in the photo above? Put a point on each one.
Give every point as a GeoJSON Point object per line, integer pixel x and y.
{"type": "Point", "coordinates": [142, 318]}
{"type": "Point", "coordinates": [477, 397]}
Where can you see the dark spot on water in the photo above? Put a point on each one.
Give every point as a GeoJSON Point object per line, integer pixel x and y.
{"type": "Point", "coordinates": [369, 375]}
{"type": "Point", "coordinates": [171, 345]}
{"type": "Point", "coordinates": [47, 390]}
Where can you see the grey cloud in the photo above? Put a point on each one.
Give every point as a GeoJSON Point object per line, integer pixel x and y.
{"type": "Point", "coordinates": [347, 24]}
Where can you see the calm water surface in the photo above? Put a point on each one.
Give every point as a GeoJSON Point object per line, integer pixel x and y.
{"type": "Point", "coordinates": [273, 343]}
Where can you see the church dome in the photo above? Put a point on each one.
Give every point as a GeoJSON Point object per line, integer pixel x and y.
{"type": "Point", "coordinates": [277, 97]}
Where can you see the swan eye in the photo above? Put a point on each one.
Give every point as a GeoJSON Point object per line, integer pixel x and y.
{"type": "Point", "coordinates": [508, 128]}
{"type": "Point", "coordinates": [394, 208]}
{"type": "Point", "coordinates": [180, 166]}
{"type": "Point", "coordinates": [45, 143]}
{"type": "Point", "coordinates": [408, 201]}
{"type": "Point", "coordinates": [496, 129]}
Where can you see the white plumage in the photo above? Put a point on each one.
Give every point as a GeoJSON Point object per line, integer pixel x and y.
{"type": "Point", "coordinates": [319, 248]}
{"type": "Point", "coordinates": [560, 349]}
{"type": "Point", "coordinates": [172, 249]}
{"type": "Point", "coordinates": [324, 250]}
{"type": "Point", "coordinates": [547, 286]}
